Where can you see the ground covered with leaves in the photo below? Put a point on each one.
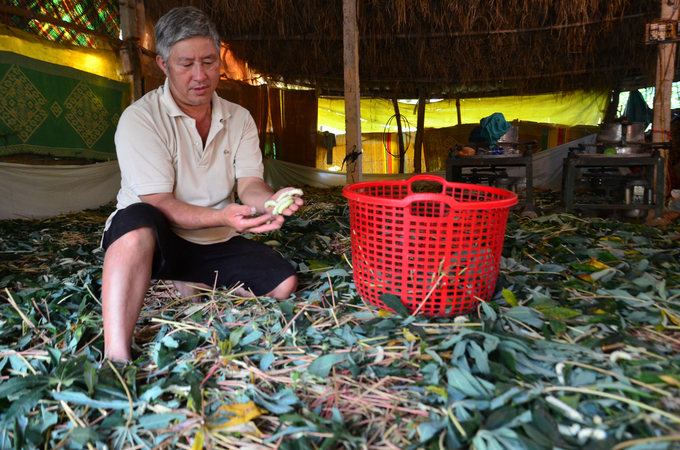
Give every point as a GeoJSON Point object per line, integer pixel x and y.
{"type": "Point", "coordinates": [578, 349]}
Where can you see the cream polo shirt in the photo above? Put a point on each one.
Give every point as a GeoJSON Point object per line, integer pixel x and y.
{"type": "Point", "coordinates": [160, 151]}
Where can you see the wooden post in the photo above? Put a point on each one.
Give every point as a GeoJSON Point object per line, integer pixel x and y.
{"type": "Point", "coordinates": [460, 121]}
{"type": "Point", "coordinates": [400, 136]}
{"type": "Point", "coordinates": [420, 132]}
{"type": "Point", "coordinates": [665, 70]}
{"type": "Point", "coordinates": [352, 95]}
{"type": "Point", "coordinates": [130, 49]}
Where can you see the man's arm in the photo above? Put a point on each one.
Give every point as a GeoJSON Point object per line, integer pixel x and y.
{"type": "Point", "coordinates": [191, 217]}
{"type": "Point", "coordinates": [254, 191]}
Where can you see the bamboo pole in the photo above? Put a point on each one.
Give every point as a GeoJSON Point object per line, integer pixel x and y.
{"type": "Point", "coordinates": [352, 94]}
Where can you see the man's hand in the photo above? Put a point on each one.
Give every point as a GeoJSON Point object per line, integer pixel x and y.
{"type": "Point", "coordinates": [295, 201]}
{"type": "Point", "coordinates": [185, 216]}
{"type": "Point", "coordinates": [255, 192]}
{"type": "Point", "coordinates": [242, 218]}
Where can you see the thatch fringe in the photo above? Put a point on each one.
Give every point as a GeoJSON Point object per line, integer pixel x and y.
{"type": "Point", "coordinates": [451, 48]}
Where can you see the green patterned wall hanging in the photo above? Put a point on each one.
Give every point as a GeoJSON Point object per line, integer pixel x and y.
{"type": "Point", "coordinates": [54, 110]}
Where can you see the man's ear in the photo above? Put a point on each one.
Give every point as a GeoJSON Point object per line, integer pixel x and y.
{"type": "Point", "coordinates": [161, 63]}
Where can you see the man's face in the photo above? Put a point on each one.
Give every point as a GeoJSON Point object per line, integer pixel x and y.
{"type": "Point", "coordinates": [193, 71]}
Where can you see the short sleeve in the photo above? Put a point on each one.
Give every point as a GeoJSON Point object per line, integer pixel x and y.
{"type": "Point", "coordinates": [145, 154]}
{"type": "Point", "coordinates": [248, 157]}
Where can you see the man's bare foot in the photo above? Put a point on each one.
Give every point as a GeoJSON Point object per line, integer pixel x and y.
{"type": "Point", "coordinates": [188, 288]}
{"type": "Point", "coordinates": [243, 293]}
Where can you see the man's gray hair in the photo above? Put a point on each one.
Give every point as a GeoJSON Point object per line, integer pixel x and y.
{"type": "Point", "coordinates": [183, 23]}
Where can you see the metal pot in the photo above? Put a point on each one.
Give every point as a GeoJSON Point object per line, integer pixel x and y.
{"type": "Point", "coordinates": [622, 133]}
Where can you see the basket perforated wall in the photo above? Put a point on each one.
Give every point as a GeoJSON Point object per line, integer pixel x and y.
{"type": "Point", "coordinates": [441, 250]}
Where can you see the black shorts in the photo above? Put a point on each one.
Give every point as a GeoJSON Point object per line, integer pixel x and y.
{"type": "Point", "coordinates": [239, 261]}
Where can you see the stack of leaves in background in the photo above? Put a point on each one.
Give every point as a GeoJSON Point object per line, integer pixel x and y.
{"type": "Point", "coordinates": [578, 349]}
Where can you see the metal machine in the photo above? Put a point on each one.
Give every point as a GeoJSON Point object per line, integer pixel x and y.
{"type": "Point", "coordinates": [624, 177]}
{"type": "Point", "coordinates": [491, 168]}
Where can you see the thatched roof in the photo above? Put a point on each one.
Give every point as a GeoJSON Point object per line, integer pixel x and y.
{"type": "Point", "coordinates": [449, 47]}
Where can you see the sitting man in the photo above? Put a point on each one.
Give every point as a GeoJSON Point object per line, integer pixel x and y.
{"type": "Point", "coordinates": [182, 151]}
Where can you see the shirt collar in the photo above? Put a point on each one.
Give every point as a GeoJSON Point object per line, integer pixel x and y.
{"type": "Point", "coordinates": [174, 111]}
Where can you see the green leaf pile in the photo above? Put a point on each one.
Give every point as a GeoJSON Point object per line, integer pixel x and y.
{"type": "Point", "coordinates": [578, 349]}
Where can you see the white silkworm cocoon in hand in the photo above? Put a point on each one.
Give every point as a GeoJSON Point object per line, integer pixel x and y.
{"type": "Point", "coordinates": [284, 201]}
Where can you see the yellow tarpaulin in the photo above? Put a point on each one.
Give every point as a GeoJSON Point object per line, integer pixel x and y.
{"type": "Point", "coordinates": [98, 62]}
{"type": "Point", "coordinates": [578, 108]}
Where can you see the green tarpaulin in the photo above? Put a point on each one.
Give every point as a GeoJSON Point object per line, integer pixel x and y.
{"type": "Point", "coordinates": [55, 110]}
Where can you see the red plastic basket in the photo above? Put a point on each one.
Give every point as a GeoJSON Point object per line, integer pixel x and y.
{"type": "Point", "coordinates": [438, 252]}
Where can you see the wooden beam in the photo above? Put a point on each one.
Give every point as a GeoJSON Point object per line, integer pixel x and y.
{"type": "Point", "coordinates": [352, 94]}
{"type": "Point", "coordinates": [367, 80]}
{"type": "Point", "coordinates": [400, 136]}
{"type": "Point", "coordinates": [327, 92]}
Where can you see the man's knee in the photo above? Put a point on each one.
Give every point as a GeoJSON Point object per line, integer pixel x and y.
{"type": "Point", "coordinates": [135, 244]}
{"type": "Point", "coordinates": [142, 237]}
{"type": "Point", "coordinates": [283, 290]}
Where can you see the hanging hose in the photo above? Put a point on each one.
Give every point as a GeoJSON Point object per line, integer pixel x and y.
{"type": "Point", "coordinates": [385, 133]}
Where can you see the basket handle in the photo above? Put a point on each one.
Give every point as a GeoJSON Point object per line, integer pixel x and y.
{"type": "Point", "coordinates": [429, 196]}
{"type": "Point", "coordinates": [424, 177]}
{"type": "Point", "coordinates": [433, 198]}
